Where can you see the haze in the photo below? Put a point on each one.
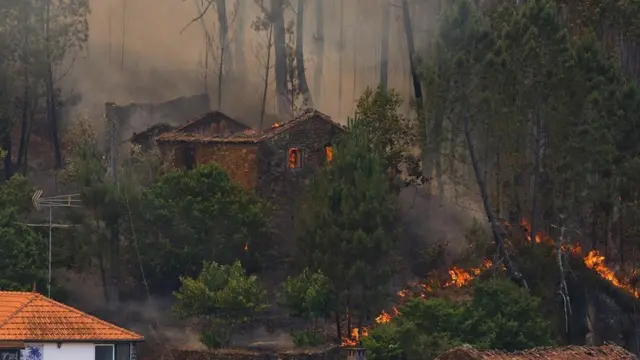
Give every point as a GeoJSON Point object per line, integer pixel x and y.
{"type": "Point", "coordinates": [161, 63]}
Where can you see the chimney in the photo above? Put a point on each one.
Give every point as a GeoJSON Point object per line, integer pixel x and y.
{"type": "Point", "coordinates": [356, 354]}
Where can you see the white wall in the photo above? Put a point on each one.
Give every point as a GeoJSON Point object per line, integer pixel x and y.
{"type": "Point", "coordinates": [68, 351]}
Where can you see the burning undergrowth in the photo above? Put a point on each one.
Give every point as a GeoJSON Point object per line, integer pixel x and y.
{"type": "Point", "coordinates": [454, 283]}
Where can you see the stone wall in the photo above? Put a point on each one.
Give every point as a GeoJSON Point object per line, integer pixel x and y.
{"type": "Point", "coordinates": [283, 187]}
{"type": "Point", "coordinates": [326, 354]}
{"type": "Point", "coordinates": [238, 160]}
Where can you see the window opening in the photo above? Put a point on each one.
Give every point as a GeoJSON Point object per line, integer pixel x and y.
{"type": "Point", "coordinates": [328, 153]}
{"type": "Point", "coordinates": [105, 352]}
{"type": "Point", "coordinates": [189, 157]}
{"type": "Point", "coordinates": [295, 158]}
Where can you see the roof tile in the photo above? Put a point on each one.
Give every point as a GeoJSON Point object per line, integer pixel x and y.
{"type": "Point", "coordinates": [29, 316]}
{"type": "Point", "coordinates": [258, 136]}
{"type": "Point", "coordinates": [605, 352]}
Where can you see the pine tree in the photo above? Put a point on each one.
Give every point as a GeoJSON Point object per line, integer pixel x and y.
{"type": "Point", "coordinates": [350, 225]}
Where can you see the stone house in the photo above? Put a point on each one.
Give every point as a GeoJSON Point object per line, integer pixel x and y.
{"type": "Point", "coordinates": [143, 118]}
{"type": "Point", "coordinates": [276, 163]}
{"type": "Point", "coordinates": [573, 352]}
{"type": "Point", "coordinates": [146, 139]}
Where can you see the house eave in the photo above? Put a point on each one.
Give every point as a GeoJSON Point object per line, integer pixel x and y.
{"type": "Point", "coordinates": [79, 341]}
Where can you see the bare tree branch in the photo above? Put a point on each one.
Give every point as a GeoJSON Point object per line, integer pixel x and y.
{"type": "Point", "coordinates": [199, 17]}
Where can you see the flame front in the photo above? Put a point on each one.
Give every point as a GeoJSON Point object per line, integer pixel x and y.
{"type": "Point", "coordinates": [595, 261]}
{"type": "Point", "coordinates": [457, 278]}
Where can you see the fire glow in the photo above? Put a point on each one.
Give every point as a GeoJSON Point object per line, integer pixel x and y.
{"type": "Point", "coordinates": [593, 260]}
{"type": "Point", "coordinates": [458, 278]}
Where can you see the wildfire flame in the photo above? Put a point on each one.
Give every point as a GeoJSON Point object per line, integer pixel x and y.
{"type": "Point", "coordinates": [275, 125]}
{"type": "Point", "coordinates": [458, 278]}
{"type": "Point", "coordinates": [593, 260]}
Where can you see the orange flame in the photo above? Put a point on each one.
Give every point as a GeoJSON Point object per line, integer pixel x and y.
{"type": "Point", "coordinates": [275, 125]}
{"type": "Point", "coordinates": [457, 278]}
{"type": "Point", "coordinates": [595, 261]}
{"type": "Point", "coordinates": [246, 246]}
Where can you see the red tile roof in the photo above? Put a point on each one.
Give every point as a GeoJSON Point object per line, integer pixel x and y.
{"type": "Point", "coordinates": [177, 136]}
{"type": "Point", "coordinates": [605, 352]}
{"type": "Point", "coordinates": [29, 316]}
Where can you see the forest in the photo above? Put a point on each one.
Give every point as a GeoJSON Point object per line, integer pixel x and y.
{"type": "Point", "coordinates": [520, 115]}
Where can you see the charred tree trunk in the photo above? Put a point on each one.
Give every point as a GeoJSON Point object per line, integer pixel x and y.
{"type": "Point", "coordinates": [341, 47]}
{"type": "Point", "coordinates": [536, 175]}
{"type": "Point", "coordinates": [300, 69]}
{"type": "Point", "coordinates": [267, 71]}
{"type": "Point", "coordinates": [496, 229]}
{"type": "Point", "coordinates": [124, 34]}
{"type": "Point", "coordinates": [32, 111]}
{"type": "Point", "coordinates": [319, 40]}
{"type": "Point", "coordinates": [6, 147]}
{"type": "Point", "coordinates": [51, 97]}
{"type": "Point", "coordinates": [277, 19]}
{"type": "Point", "coordinates": [239, 37]}
{"type": "Point", "coordinates": [24, 121]}
{"type": "Point", "coordinates": [225, 54]}
{"type": "Point", "coordinates": [384, 44]}
{"type": "Point", "coordinates": [408, 32]}
{"type": "Point", "coordinates": [24, 125]}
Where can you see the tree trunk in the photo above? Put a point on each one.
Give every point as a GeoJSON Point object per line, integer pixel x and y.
{"type": "Point", "coordinates": [51, 97]}
{"type": "Point", "coordinates": [498, 237]}
{"type": "Point", "coordinates": [384, 44]}
{"type": "Point", "coordinates": [24, 122]}
{"type": "Point", "coordinates": [338, 327]}
{"type": "Point", "coordinates": [536, 174]}
{"type": "Point", "coordinates": [114, 266]}
{"type": "Point", "coordinates": [32, 110]}
{"type": "Point", "coordinates": [24, 125]}
{"type": "Point", "coordinates": [341, 47]}
{"type": "Point", "coordinates": [319, 42]}
{"type": "Point", "coordinates": [6, 147]}
{"type": "Point", "coordinates": [124, 34]}
{"type": "Point", "coordinates": [277, 19]}
{"type": "Point", "coordinates": [225, 54]}
{"type": "Point", "coordinates": [408, 32]}
{"type": "Point", "coordinates": [300, 69]}
{"type": "Point", "coordinates": [267, 71]}
{"type": "Point", "coordinates": [240, 62]}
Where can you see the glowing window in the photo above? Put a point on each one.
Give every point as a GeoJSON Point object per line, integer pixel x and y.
{"type": "Point", "coordinates": [295, 158]}
{"type": "Point", "coordinates": [328, 153]}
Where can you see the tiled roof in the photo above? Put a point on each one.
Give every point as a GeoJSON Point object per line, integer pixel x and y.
{"type": "Point", "coordinates": [605, 352]}
{"type": "Point", "coordinates": [177, 136]}
{"type": "Point", "coordinates": [29, 316]}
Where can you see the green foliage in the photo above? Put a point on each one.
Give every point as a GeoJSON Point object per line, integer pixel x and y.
{"type": "Point", "coordinates": [223, 297]}
{"type": "Point", "coordinates": [349, 226]}
{"type": "Point", "coordinates": [307, 338]}
{"type": "Point", "coordinates": [307, 295]}
{"type": "Point", "coordinates": [500, 316]}
{"type": "Point", "coordinates": [196, 216]}
{"type": "Point", "coordinates": [23, 263]}
{"type": "Point", "coordinates": [390, 133]}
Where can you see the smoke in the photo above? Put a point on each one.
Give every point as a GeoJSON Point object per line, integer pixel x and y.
{"type": "Point", "coordinates": [138, 52]}
{"type": "Point", "coordinates": [151, 318]}
{"type": "Point", "coordinates": [429, 220]}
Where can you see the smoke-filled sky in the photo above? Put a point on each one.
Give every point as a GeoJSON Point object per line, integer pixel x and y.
{"type": "Point", "coordinates": [161, 63]}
